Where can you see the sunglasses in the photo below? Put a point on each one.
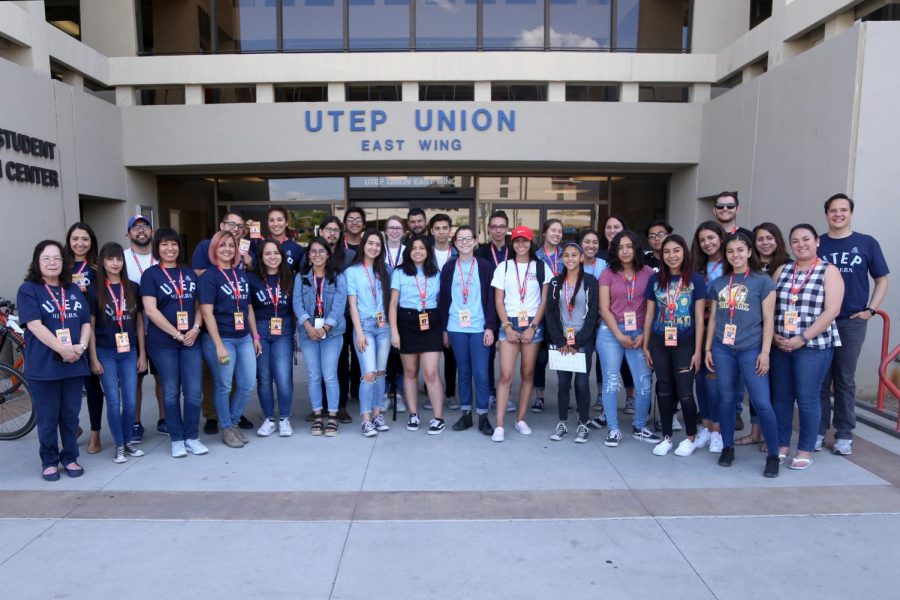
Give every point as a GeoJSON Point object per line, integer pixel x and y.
{"type": "Point", "coordinates": [729, 206]}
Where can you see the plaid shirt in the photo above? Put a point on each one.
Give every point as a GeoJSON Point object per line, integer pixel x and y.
{"type": "Point", "coordinates": [810, 304]}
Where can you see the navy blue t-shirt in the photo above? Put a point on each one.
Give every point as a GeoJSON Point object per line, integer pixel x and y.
{"type": "Point", "coordinates": [857, 256]}
{"type": "Point", "coordinates": [83, 275]}
{"type": "Point", "coordinates": [155, 284]}
{"type": "Point", "coordinates": [35, 304]}
{"type": "Point", "coordinates": [686, 298]}
{"type": "Point", "coordinates": [293, 252]}
{"type": "Point", "coordinates": [106, 325]}
{"type": "Point", "coordinates": [214, 288]}
{"type": "Point", "coordinates": [264, 309]}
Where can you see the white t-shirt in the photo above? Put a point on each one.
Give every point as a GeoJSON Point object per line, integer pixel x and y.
{"type": "Point", "coordinates": [134, 270]}
{"type": "Point", "coordinates": [506, 280]}
{"type": "Point", "coordinates": [441, 257]}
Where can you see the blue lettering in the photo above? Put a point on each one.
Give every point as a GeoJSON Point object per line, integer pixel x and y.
{"type": "Point", "coordinates": [318, 126]}
{"type": "Point", "coordinates": [425, 145]}
{"type": "Point", "coordinates": [419, 124]}
{"type": "Point", "coordinates": [456, 144]}
{"type": "Point", "coordinates": [485, 122]}
{"type": "Point", "coordinates": [376, 146]}
{"type": "Point", "coordinates": [446, 120]}
{"type": "Point", "coordinates": [508, 119]}
{"type": "Point", "coordinates": [462, 120]}
{"type": "Point", "coordinates": [335, 114]}
{"type": "Point", "coordinates": [365, 145]}
{"type": "Point", "coordinates": [378, 117]}
{"type": "Point", "coordinates": [357, 120]}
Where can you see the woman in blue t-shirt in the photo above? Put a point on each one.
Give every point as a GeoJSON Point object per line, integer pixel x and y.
{"type": "Point", "coordinates": [58, 329]}
{"type": "Point", "coordinates": [231, 342]}
{"type": "Point", "coordinates": [271, 288]}
{"type": "Point", "coordinates": [673, 338]}
{"type": "Point", "coordinates": [738, 341]}
{"type": "Point", "coordinates": [169, 293]}
{"type": "Point", "coordinates": [117, 350]}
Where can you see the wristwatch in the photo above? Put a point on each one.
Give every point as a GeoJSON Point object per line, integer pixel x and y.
{"type": "Point", "coordinates": [872, 311]}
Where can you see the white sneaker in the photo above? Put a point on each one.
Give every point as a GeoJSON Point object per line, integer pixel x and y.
{"type": "Point", "coordinates": [842, 447]}
{"type": "Point", "coordinates": [284, 428]}
{"type": "Point", "coordinates": [664, 447]}
{"type": "Point", "coordinates": [510, 407]}
{"type": "Point", "coordinates": [820, 441]}
{"type": "Point", "coordinates": [196, 447]}
{"type": "Point", "coordinates": [452, 403]}
{"type": "Point", "coordinates": [523, 428]}
{"type": "Point", "coordinates": [715, 442]}
{"type": "Point", "coordinates": [676, 424]}
{"type": "Point", "coordinates": [401, 406]}
{"type": "Point", "coordinates": [685, 448]}
{"type": "Point", "coordinates": [702, 437]}
{"type": "Point", "coordinates": [498, 434]}
{"type": "Point", "coordinates": [266, 429]}
{"type": "Point", "coordinates": [178, 450]}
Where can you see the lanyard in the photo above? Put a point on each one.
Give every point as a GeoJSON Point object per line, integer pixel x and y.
{"type": "Point", "coordinates": [497, 260]}
{"type": "Point", "coordinates": [711, 269]}
{"type": "Point", "coordinates": [629, 293]}
{"type": "Point", "coordinates": [235, 288]}
{"type": "Point", "coordinates": [423, 291]}
{"type": "Point", "coordinates": [732, 295]}
{"type": "Point", "coordinates": [395, 260]}
{"type": "Point", "coordinates": [466, 286]}
{"type": "Point", "coordinates": [61, 306]}
{"type": "Point", "coordinates": [554, 266]}
{"type": "Point", "coordinates": [570, 300]}
{"type": "Point", "coordinates": [519, 285]}
{"type": "Point", "coordinates": [138, 263]}
{"type": "Point", "coordinates": [276, 299]}
{"type": "Point", "coordinates": [671, 300]}
{"type": "Point", "coordinates": [320, 295]}
{"type": "Point", "coordinates": [373, 283]}
{"type": "Point", "coordinates": [179, 289]}
{"type": "Point", "coordinates": [81, 270]}
{"type": "Point", "coordinates": [795, 290]}
{"type": "Point", "coordinates": [119, 304]}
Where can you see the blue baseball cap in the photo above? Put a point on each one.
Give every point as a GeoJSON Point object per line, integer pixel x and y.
{"type": "Point", "coordinates": [137, 218]}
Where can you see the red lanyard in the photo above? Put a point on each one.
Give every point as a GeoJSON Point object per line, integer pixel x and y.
{"type": "Point", "coordinates": [235, 288]}
{"type": "Point", "coordinates": [497, 261]}
{"type": "Point", "coordinates": [671, 300]}
{"type": "Point", "coordinates": [519, 285]}
{"type": "Point", "coordinates": [570, 300]}
{"type": "Point", "coordinates": [554, 266]}
{"type": "Point", "coordinates": [732, 296]}
{"type": "Point", "coordinates": [179, 289]}
{"type": "Point", "coordinates": [373, 285]}
{"type": "Point", "coordinates": [320, 295]}
{"type": "Point", "coordinates": [275, 300]}
{"type": "Point", "coordinates": [81, 270]}
{"type": "Point", "coordinates": [466, 285]}
{"type": "Point", "coordinates": [138, 263]}
{"type": "Point", "coordinates": [423, 291]}
{"type": "Point", "coordinates": [629, 293]}
{"type": "Point", "coordinates": [60, 306]}
{"type": "Point", "coordinates": [119, 304]}
{"type": "Point", "coordinates": [796, 289]}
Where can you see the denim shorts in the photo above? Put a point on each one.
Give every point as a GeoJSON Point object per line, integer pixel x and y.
{"type": "Point", "coordinates": [538, 333]}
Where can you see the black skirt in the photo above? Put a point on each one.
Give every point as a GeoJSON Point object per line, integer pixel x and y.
{"type": "Point", "coordinates": [412, 339]}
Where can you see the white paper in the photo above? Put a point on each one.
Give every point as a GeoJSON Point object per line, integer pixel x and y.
{"type": "Point", "coordinates": [567, 362]}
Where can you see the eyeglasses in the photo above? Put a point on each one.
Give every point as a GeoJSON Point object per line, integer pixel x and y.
{"type": "Point", "coordinates": [656, 236]}
{"type": "Point", "coordinates": [141, 227]}
{"type": "Point", "coordinates": [465, 240]}
{"type": "Point", "coordinates": [318, 251]}
{"type": "Point", "coordinates": [497, 227]}
{"type": "Point", "coordinates": [232, 225]}
{"type": "Point", "coordinates": [49, 260]}
{"type": "Point", "coordinates": [729, 206]}
{"type": "Point", "coordinates": [331, 230]}
{"type": "Point", "coordinates": [394, 228]}
{"type": "Point", "coordinates": [353, 220]}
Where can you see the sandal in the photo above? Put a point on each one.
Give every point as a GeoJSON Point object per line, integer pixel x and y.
{"type": "Point", "coordinates": [799, 463]}
{"type": "Point", "coordinates": [316, 428]}
{"type": "Point", "coordinates": [763, 448]}
{"type": "Point", "coordinates": [747, 440]}
{"type": "Point", "coordinates": [332, 428]}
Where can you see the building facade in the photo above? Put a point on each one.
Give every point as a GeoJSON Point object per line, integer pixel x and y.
{"type": "Point", "coordinates": [576, 109]}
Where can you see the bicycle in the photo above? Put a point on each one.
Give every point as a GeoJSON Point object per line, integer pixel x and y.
{"type": "Point", "coordinates": [16, 404]}
{"type": "Point", "coordinates": [12, 340]}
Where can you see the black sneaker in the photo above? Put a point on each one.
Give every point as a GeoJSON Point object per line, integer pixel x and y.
{"type": "Point", "coordinates": [137, 433]}
{"type": "Point", "coordinates": [598, 422]}
{"type": "Point", "coordinates": [771, 470]}
{"type": "Point", "coordinates": [211, 427]}
{"type": "Point", "coordinates": [645, 435]}
{"type": "Point", "coordinates": [465, 421]}
{"type": "Point", "coordinates": [245, 423]}
{"type": "Point", "coordinates": [727, 457]}
{"type": "Point", "coordinates": [538, 405]}
{"type": "Point", "coordinates": [436, 427]}
{"type": "Point", "coordinates": [484, 425]}
{"type": "Point", "coordinates": [311, 417]}
{"type": "Point", "coordinates": [412, 423]}
{"type": "Point", "coordinates": [161, 427]}
{"type": "Point", "coordinates": [344, 417]}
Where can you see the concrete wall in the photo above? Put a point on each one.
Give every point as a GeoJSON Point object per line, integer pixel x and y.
{"type": "Point", "coordinates": [718, 23]}
{"type": "Point", "coordinates": [109, 27]}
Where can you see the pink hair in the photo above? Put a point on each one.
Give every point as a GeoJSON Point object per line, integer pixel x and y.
{"type": "Point", "coordinates": [214, 244]}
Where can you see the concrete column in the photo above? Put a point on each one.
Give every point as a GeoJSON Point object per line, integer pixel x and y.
{"type": "Point", "coordinates": [838, 24]}
{"type": "Point", "coordinates": [193, 94]}
{"type": "Point", "coordinates": [630, 92]}
{"type": "Point", "coordinates": [337, 92]}
{"type": "Point", "coordinates": [751, 71]}
{"type": "Point", "coordinates": [556, 91]}
{"type": "Point", "coordinates": [701, 92]}
{"type": "Point", "coordinates": [409, 91]}
{"type": "Point", "coordinates": [125, 95]}
{"type": "Point", "coordinates": [265, 93]}
{"type": "Point", "coordinates": [74, 79]}
{"type": "Point", "coordinates": [482, 91]}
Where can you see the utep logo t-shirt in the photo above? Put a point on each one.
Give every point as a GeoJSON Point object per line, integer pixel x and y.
{"type": "Point", "coordinates": [857, 256]}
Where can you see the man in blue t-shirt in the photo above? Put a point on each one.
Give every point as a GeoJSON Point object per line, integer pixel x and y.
{"type": "Point", "coordinates": [857, 256]}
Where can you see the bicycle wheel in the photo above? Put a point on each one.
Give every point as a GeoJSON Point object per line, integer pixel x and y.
{"type": "Point", "coordinates": [16, 404]}
{"type": "Point", "coordinates": [12, 348]}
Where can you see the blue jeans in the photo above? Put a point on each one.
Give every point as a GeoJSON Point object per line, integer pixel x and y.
{"type": "Point", "coordinates": [321, 360]}
{"type": "Point", "coordinates": [119, 382]}
{"type": "Point", "coordinates": [472, 359]}
{"type": "Point", "coordinates": [275, 366]}
{"type": "Point", "coordinates": [180, 373]}
{"type": "Point", "coordinates": [373, 360]}
{"type": "Point", "coordinates": [611, 352]}
{"type": "Point", "coordinates": [56, 407]}
{"type": "Point", "coordinates": [732, 367]}
{"type": "Point", "coordinates": [799, 375]}
{"type": "Point", "coordinates": [707, 394]}
{"type": "Point", "coordinates": [241, 368]}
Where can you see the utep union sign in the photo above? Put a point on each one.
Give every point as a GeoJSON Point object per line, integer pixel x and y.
{"type": "Point", "coordinates": [438, 127]}
{"type": "Point", "coordinates": [29, 146]}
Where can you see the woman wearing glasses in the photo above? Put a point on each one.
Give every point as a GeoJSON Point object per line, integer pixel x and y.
{"type": "Point", "coordinates": [394, 231]}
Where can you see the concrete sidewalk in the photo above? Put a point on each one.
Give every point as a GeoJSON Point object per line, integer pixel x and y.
{"type": "Point", "coordinates": [407, 515]}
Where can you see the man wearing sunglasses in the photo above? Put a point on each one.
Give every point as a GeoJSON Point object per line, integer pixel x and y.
{"type": "Point", "coordinates": [725, 210]}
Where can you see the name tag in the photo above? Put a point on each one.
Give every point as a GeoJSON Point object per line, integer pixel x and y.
{"type": "Point", "coordinates": [730, 335]}
{"type": "Point", "coordinates": [181, 320]}
{"type": "Point", "coordinates": [465, 318]}
{"type": "Point", "coordinates": [630, 321]}
{"type": "Point", "coordinates": [255, 232]}
{"type": "Point", "coordinates": [64, 336]}
{"type": "Point", "coordinates": [570, 336]}
{"type": "Point", "coordinates": [423, 322]}
{"type": "Point", "coordinates": [123, 346]}
{"type": "Point", "coordinates": [244, 246]}
{"type": "Point", "coordinates": [318, 323]}
{"type": "Point", "coordinates": [670, 336]}
{"type": "Point", "coordinates": [523, 317]}
{"type": "Point", "coordinates": [791, 321]}
{"type": "Point", "coordinates": [238, 321]}
{"type": "Point", "coordinates": [81, 281]}
{"type": "Point", "coordinates": [275, 326]}
{"type": "Point", "coordinates": [379, 319]}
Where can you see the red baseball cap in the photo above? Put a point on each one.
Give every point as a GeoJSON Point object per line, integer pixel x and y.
{"type": "Point", "coordinates": [522, 231]}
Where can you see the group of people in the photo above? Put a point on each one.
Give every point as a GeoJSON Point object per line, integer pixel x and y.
{"type": "Point", "coordinates": [728, 311]}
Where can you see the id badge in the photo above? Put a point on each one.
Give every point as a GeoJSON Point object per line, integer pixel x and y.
{"type": "Point", "coordinates": [730, 334]}
{"type": "Point", "coordinates": [670, 336]}
{"type": "Point", "coordinates": [64, 336]}
{"type": "Point", "coordinates": [255, 232]}
{"type": "Point", "coordinates": [181, 320]}
{"type": "Point", "coordinates": [423, 322]}
{"type": "Point", "coordinates": [244, 246]}
{"type": "Point", "coordinates": [570, 336]}
{"type": "Point", "coordinates": [379, 319]}
{"type": "Point", "coordinates": [123, 346]}
{"type": "Point", "coordinates": [630, 321]}
{"type": "Point", "coordinates": [275, 326]}
{"type": "Point", "coordinates": [523, 317]}
{"type": "Point", "coordinates": [465, 318]}
{"type": "Point", "coordinates": [318, 323]}
{"type": "Point", "coordinates": [791, 321]}
{"type": "Point", "coordinates": [238, 321]}
{"type": "Point", "coordinates": [82, 282]}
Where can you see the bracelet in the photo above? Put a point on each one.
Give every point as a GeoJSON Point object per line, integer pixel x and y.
{"type": "Point", "coordinates": [256, 337]}
{"type": "Point", "coordinates": [505, 324]}
{"type": "Point", "coordinates": [803, 337]}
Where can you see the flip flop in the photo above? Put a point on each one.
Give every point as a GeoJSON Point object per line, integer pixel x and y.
{"type": "Point", "coordinates": [747, 440]}
{"type": "Point", "coordinates": [800, 464]}
{"type": "Point", "coordinates": [782, 458]}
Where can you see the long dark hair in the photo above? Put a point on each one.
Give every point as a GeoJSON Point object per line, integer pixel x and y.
{"type": "Point", "coordinates": [780, 256]}
{"type": "Point", "coordinates": [34, 269]}
{"type": "Point", "coordinates": [329, 263]}
{"type": "Point", "coordinates": [378, 265]}
{"type": "Point", "coordinates": [337, 253]}
{"type": "Point", "coordinates": [69, 254]}
{"type": "Point", "coordinates": [113, 250]}
{"type": "Point", "coordinates": [559, 279]}
{"type": "Point", "coordinates": [698, 256]}
{"type": "Point", "coordinates": [407, 266]}
{"type": "Point", "coordinates": [285, 272]}
{"type": "Point", "coordinates": [614, 263]}
{"type": "Point", "coordinates": [288, 232]}
{"type": "Point", "coordinates": [752, 261]}
{"type": "Point", "coordinates": [685, 273]}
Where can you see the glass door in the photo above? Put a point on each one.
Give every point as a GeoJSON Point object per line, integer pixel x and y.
{"type": "Point", "coordinates": [574, 218]}
{"type": "Point", "coordinates": [303, 219]}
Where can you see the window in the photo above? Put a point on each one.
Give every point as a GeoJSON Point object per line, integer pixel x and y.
{"type": "Point", "coordinates": [447, 92]}
{"type": "Point", "coordinates": [726, 84]}
{"type": "Point", "coordinates": [513, 24]}
{"type": "Point", "coordinates": [652, 25]}
{"type": "Point", "coordinates": [373, 93]}
{"type": "Point", "coordinates": [664, 93]}
{"type": "Point", "coordinates": [175, 27]}
{"type": "Point", "coordinates": [229, 94]}
{"type": "Point", "coordinates": [760, 10]}
{"type": "Point", "coordinates": [64, 15]}
{"type": "Point", "coordinates": [246, 26]}
{"type": "Point", "coordinates": [157, 96]}
{"type": "Point", "coordinates": [518, 92]}
{"type": "Point", "coordinates": [379, 24]}
{"type": "Point", "coordinates": [580, 24]}
{"type": "Point", "coordinates": [444, 24]}
{"type": "Point", "coordinates": [95, 89]}
{"type": "Point", "coordinates": [592, 92]}
{"type": "Point", "coordinates": [301, 93]}
{"type": "Point", "coordinates": [313, 24]}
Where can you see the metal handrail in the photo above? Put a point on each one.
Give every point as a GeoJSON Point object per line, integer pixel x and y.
{"type": "Point", "coordinates": [885, 344]}
{"type": "Point", "coordinates": [885, 382]}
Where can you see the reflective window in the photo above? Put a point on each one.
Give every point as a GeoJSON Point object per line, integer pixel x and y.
{"type": "Point", "coordinates": [664, 93]}
{"type": "Point", "coordinates": [652, 25]}
{"type": "Point", "coordinates": [447, 92]}
{"type": "Point", "coordinates": [246, 26]}
{"type": "Point", "coordinates": [580, 23]}
{"type": "Point", "coordinates": [592, 92]}
{"type": "Point", "coordinates": [513, 24]}
{"type": "Point", "coordinates": [371, 93]}
{"type": "Point", "coordinates": [162, 95]}
{"type": "Point", "coordinates": [519, 92]}
{"type": "Point", "coordinates": [446, 24]}
{"type": "Point", "coordinates": [301, 93]}
{"type": "Point", "coordinates": [229, 94]}
{"type": "Point", "coordinates": [379, 24]}
{"type": "Point", "coordinates": [313, 24]}
{"type": "Point", "coordinates": [175, 27]}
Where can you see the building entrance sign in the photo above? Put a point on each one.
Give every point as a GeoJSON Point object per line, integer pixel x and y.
{"type": "Point", "coordinates": [29, 146]}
